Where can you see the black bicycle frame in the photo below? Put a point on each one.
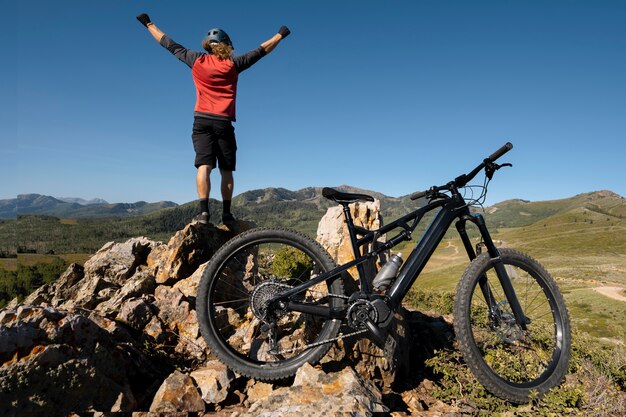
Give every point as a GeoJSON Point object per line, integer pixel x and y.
{"type": "Point", "coordinates": [451, 208]}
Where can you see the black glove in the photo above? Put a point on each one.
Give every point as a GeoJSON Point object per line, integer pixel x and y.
{"type": "Point", "coordinates": [284, 31]}
{"type": "Point", "coordinates": [144, 19]}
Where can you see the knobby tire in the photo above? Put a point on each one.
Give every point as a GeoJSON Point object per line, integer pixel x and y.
{"type": "Point", "coordinates": [233, 292]}
{"type": "Point", "coordinates": [512, 363]}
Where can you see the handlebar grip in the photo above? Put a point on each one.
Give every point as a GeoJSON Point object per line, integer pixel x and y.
{"type": "Point", "coordinates": [417, 195]}
{"type": "Point", "coordinates": [497, 154]}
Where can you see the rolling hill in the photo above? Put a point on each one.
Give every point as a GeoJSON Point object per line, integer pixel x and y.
{"type": "Point", "coordinates": [49, 226]}
{"type": "Point", "coordinates": [76, 208]}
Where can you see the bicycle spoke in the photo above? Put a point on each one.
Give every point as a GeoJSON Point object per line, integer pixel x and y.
{"type": "Point", "coordinates": [248, 279]}
{"type": "Point", "coordinates": [515, 355]}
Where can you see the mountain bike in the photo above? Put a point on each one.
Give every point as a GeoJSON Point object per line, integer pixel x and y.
{"type": "Point", "coordinates": [271, 300]}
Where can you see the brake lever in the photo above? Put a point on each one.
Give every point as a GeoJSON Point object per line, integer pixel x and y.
{"type": "Point", "coordinates": [492, 167]}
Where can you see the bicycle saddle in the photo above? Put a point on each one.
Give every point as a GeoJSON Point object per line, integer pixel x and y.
{"type": "Point", "coordinates": [344, 198]}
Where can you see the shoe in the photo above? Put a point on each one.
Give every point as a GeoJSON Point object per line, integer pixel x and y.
{"type": "Point", "coordinates": [228, 218]}
{"type": "Point", "coordinates": [202, 218]}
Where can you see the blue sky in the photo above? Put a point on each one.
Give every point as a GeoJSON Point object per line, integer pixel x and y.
{"type": "Point", "coordinates": [389, 96]}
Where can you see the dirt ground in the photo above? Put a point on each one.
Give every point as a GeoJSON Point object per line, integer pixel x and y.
{"type": "Point", "coordinates": [615, 293]}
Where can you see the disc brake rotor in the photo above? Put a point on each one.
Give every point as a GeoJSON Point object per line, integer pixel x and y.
{"type": "Point", "coordinates": [506, 327]}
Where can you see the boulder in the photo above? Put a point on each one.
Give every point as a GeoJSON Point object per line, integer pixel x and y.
{"type": "Point", "coordinates": [179, 315]}
{"type": "Point", "coordinates": [135, 312]}
{"type": "Point", "coordinates": [188, 249]}
{"type": "Point", "coordinates": [332, 232]}
{"type": "Point", "coordinates": [382, 366]}
{"type": "Point", "coordinates": [258, 391]}
{"type": "Point", "coordinates": [65, 286]}
{"type": "Point", "coordinates": [189, 286]}
{"type": "Point", "coordinates": [139, 284]}
{"type": "Point", "coordinates": [89, 293]}
{"type": "Point", "coordinates": [316, 393]}
{"type": "Point", "coordinates": [116, 262]}
{"type": "Point", "coordinates": [177, 393]}
{"type": "Point", "coordinates": [214, 381]}
{"type": "Point", "coordinates": [55, 362]}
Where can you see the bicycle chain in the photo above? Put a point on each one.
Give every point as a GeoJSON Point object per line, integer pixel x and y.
{"type": "Point", "coordinates": [322, 342]}
{"type": "Point", "coordinates": [331, 340]}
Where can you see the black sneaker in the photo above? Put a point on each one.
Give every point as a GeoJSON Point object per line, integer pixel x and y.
{"type": "Point", "coordinates": [202, 218]}
{"type": "Point", "coordinates": [228, 218]}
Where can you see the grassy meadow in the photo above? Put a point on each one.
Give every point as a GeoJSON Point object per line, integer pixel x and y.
{"type": "Point", "coordinates": [580, 240]}
{"type": "Point", "coordinates": [582, 250]}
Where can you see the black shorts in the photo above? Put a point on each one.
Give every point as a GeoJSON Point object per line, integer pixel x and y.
{"type": "Point", "coordinates": [214, 140]}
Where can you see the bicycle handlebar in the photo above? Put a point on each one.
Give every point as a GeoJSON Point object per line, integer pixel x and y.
{"type": "Point", "coordinates": [504, 149]}
{"type": "Point", "coordinates": [462, 180]}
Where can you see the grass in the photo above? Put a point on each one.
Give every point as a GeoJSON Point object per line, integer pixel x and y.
{"type": "Point", "coordinates": [30, 259]}
{"type": "Point", "coordinates": [581, 248]}
{"type": "Point", "coordinates": [10, 264]}
{"type": "Point", "coordinates": [594, 313]}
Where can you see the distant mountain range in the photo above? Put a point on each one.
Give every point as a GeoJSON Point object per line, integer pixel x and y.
{"type": "Point", "coordinates": [47, 224]}
{"type": "Point", "coordinates": [83, 202]}
{"type": "Point", "coordinates": [298, 208]}
{"type": "Point", "coordinates": [74, 207]}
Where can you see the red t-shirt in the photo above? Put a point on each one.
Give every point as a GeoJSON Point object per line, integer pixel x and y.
{"type": "Point", "coordinates": [215, 79]}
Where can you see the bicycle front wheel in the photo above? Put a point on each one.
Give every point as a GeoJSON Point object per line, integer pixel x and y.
{"type": "Point", "coordinates": [511, 362]}
{"type": "Point", "coordinates": [242, 328]}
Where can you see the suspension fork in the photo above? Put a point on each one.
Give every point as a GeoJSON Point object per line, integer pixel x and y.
{"type": "Point", "coordinates": [494, 254]}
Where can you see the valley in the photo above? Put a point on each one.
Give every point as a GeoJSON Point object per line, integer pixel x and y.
{"type": "Point", "coordinates": [580, 240]}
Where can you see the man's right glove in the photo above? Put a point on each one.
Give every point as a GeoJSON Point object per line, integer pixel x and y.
{"type": "Point", "coordinates": [144, 19]}
{"type": "Point", "coordinates": [284, 31]}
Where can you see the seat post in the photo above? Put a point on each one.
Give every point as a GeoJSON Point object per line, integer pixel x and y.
{"type": "Point", "coordinates": [365, 285]}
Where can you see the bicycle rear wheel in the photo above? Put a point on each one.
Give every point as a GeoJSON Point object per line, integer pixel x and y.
{"type": "Point", "coordinates": [511, 362]}
{"type": "Point", "coordinates": [238, 322]}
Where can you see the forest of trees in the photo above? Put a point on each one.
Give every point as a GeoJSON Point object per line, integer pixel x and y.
{"type": "Point", "coordinates": [26, 279]}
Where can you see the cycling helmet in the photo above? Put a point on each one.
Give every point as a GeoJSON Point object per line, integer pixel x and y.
{"type": "Point", "coordinates": [217, 35]}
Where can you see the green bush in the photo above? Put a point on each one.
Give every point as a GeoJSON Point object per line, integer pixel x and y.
{"type": "Point", "coordinates": [442, 302]}
{"type": "Point", "coordinates": [594, 386]}
{"type": "Point", "coordinates": [290, 262]}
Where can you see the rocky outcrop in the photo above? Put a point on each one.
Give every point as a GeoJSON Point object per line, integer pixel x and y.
{"type": "Point", "coordinates": [105, 336]}
{"type": "Point", "coordinates": [332, 232]}
{"type": "Point", "coordinates": [55, 362]}
{"type": "Point", "coordinates": [121, 335]}
{"type": "Point", "coordinates": [316, 393]}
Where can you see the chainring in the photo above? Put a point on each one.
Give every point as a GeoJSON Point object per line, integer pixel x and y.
{"type": "Point", "coordinates": [359, 311]}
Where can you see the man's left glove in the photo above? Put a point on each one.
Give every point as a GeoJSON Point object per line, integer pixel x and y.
{"type": "Point", "coordinates": [144, 19]}
{"type": "Point", "coordinates": [284, 31]}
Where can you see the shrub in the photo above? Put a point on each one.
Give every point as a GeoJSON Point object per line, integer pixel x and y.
{"type": "Point", "coordinates": [290, 262]}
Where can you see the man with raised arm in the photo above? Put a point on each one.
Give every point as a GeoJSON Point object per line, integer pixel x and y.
{"type": "Point", "coordinates": [215, 73]}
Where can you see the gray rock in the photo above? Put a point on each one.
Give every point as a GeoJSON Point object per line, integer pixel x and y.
{"type": "Point", "coordinates": [136, 313]}
{"type": "Point", "coordinates": [116, 262]}
{"type": "Point", "coordinates": [139, 284]}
